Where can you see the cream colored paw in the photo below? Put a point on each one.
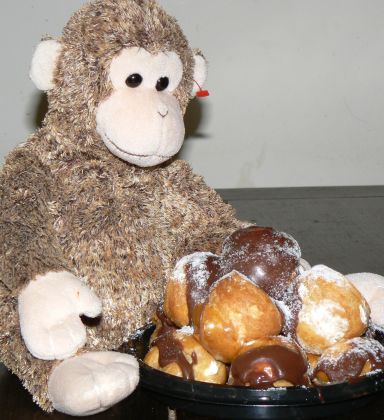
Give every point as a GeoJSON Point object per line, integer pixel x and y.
{"type": "Point", "coordinates": [49, 311]}
{"type": "Point", "coordinates": [92, 382]}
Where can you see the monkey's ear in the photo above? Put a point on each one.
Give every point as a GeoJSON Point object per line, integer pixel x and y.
{"type": "Point", "coordinates": [43, 64]}
{"type": "Point", "coordinates": [200, 72]}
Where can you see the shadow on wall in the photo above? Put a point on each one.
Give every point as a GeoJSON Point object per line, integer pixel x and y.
{"type": "Point", "coordinates": [192, 119]}
{"type": "Point", "coordinates": [40, 111]}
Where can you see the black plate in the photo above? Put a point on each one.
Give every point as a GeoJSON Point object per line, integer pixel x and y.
{"type": "Point", "coordinates": [241, 402]}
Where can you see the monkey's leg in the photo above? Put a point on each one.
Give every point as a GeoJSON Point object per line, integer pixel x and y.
{"type": "Point", "coordinates": [34, 373]}
{"type": "Point", "coordinates": [92, 382]}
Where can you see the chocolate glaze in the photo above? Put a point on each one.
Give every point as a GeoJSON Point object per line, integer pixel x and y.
{"type": "Point", "coordinates": [194, 358]}
{"type": "Point", "coordinates": [196, 316]}
{"type": "Point", "coordinates": [171, 349]}
{"type": "Point", "coordinates": [166, 324]}
{"type": "Point", "coordinates": [268, 257]}
{"type": "Point", "coordinates": [348, 365]}
{"type": "Point", "coordinates": [261, 367]}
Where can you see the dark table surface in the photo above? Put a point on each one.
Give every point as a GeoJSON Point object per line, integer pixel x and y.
{"type": "Point", "coordinates": [341, 227]}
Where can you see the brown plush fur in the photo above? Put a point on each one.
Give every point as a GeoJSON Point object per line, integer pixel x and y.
{"type": "Point", "coordinates": [67, 203]}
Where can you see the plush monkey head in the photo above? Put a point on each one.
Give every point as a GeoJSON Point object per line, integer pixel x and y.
{"type": "Point", "coordinates": [120, 76]}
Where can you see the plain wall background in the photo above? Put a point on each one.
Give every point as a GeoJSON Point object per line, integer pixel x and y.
{"type": "Point", "coordinates": [297, 87]}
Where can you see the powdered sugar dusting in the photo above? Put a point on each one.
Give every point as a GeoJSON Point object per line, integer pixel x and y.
{"type": "Point", "coordinates": [303, 291]}
{"type": "Point", "coordinates": [186, 330]}
{"type": "Point", "coordinates": [285, 311]}
{"type": "Point", "coordinates": [360, 346]}
{"type": "Point", "coordinates": [326, 273]}
{"type": "Point", "coordinates": [270, 253]}
{"type": "Point", "coordinates": [292, 249]}
{"type": "Point", "coordinates": [304, 266]}
{"type": "Point", "coordinates": [290, 246]}
{"type": "Point", "coordinates": [200, 266]}
{"type": "Point", "coordinates": [324, 319]}
{"type": "Point", "coordinates": [371, 286]}
{"type": "Point", "coordinates": [196, 261]}
{"type": "Point", "coordinates": [349, 359]}
{"type": "Point", "coordinates": [368, 345]}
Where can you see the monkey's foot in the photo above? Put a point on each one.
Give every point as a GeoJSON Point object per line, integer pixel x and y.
{"type": "Point", "coordinates": [92, 382]}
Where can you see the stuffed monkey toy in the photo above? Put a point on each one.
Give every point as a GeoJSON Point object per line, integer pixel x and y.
{"type": "Point", "coordinates": [94, 209]}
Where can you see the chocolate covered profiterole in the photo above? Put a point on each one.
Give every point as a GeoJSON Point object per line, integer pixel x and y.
{"type": "Point", "coordinates": [269, 362]}
{"type": "Point", "coordinates": [348, 359]}
{"type": "Point", "coordinates": [267, 257]}
{"type": "Point", "coordinates": [166, 350]}
{"type": "Point", "coordinates": [178, 353]}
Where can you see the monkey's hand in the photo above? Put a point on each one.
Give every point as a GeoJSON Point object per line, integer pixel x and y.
{"type": "Point", "coordinates": [49, 311]}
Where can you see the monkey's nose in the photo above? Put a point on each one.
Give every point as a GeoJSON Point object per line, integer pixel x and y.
{"type": "Point", "coordinates": [162, 110]}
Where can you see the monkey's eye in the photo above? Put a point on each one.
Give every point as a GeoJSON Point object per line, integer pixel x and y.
{"type": "Point", "coordinates": [134, 80]}
{"type": "Point", "coordinates": [162, 84]}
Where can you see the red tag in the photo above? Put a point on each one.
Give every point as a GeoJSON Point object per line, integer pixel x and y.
{"type": "Point", "coordinates": [201, 93]}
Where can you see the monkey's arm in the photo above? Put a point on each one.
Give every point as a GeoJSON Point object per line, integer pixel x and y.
{"type": "Point", "coordinates": [32, 265]}
{"type": "Point", "coordinates": [28, 244]}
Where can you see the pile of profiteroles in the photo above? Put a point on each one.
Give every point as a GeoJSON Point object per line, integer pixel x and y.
{"type": "Point", "coordinates": [257, 315]}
